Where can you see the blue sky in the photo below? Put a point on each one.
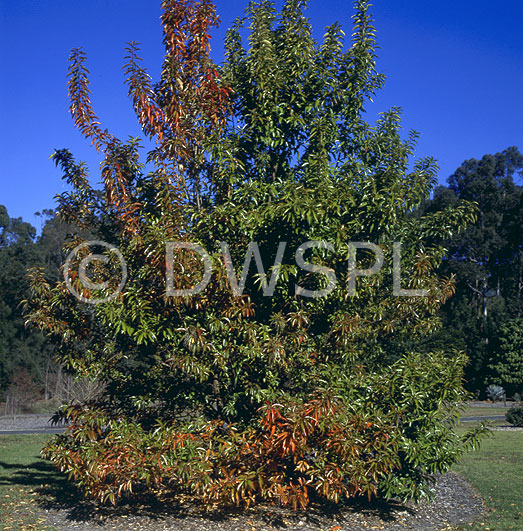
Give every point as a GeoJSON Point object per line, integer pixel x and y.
{"type": "Point", "coordinates": [455, 67]}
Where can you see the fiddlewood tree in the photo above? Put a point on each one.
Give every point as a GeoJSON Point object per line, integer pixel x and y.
{"type": "Point", "coordinates": [241, 397]}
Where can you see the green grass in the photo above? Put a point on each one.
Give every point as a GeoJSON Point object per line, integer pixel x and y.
{"type": "Point", "coordinates": [491, 423]}
{"type": "Point", "coordinates": [497, 473]}
{"type": "Point", "coordinates": [475, 411]}
{"type": "Point", "coordinates": [484, 411]}
{"type": "Point", "coordinates": [24, 477]}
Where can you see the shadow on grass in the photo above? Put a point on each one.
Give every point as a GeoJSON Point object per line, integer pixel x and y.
{"type": "Point", "coordinates": [57, 493]}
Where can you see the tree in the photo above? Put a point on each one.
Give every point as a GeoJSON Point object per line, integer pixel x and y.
{"type": "Point", "coordinates": [17, 253]}
{"type": "Point", "coordinates": [25, 353]}
{"type": "Point", "coordinates": [487, 244]}
{"type": "Point", "coordinates": [486, 258]}
{"type": "Point", "coordinates": [231, 394]}
{"type": "Point", "coordinates": [507, 356]}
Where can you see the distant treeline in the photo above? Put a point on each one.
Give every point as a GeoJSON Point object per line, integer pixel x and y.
{"type": "Point", "coordinates": [485, 316]}
{"type": "Point", "coordinates": [27, 367]}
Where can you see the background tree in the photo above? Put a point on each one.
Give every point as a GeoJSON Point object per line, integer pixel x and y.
{"type": "Point", "coordinates": [17, 252]}
{"type": "Point", "coordinates": [486, 259]}
{"type": "Point", "coordinates": [25, 354]}
{"type": "Point", "coordinates": [241, 397]}
{"type": "Point", "coordinates": [507, 356]}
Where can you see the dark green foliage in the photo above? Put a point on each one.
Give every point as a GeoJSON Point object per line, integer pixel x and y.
{"type": "Point", "coordinates": [515, 415]}
{"type": "Point", "coordinates": [22, 350]}
{"type": "Point", "coordinates": [507, 356]}
{"type": "Point", "coordinates": [374, 433]}
{"type": "Point", "coordinates": [487, 259]}
{"type": "Point", "coordinates": [17, 253]}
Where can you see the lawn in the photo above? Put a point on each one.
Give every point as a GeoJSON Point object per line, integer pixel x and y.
{"type": "Point", "coordinates": [496, 470]}
{"type": "Point", "coordinates": [477, 411]}
{"type": "Point", "coordinates": [23, 477]}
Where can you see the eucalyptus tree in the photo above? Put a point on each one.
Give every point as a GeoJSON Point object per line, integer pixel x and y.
{"type": "Point", "coordinates": [487, 260]}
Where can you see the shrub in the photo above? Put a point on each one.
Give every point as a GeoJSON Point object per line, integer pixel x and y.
{"type": "Point", "coordinates": [386, 436]}
{"type": "Point", "coordinates": [515, 415]}
{"type": "Point", "coordinates": [495, 393]}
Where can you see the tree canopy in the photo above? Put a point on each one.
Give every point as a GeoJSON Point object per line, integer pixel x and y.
{"type": "Point", "coordinates": [487, 261]}
{"type": "Point", "coordinates": [23, 350]}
